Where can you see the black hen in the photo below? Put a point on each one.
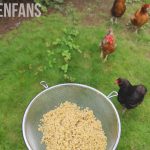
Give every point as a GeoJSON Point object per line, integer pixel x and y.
{"type": "Point", "coordinates": [130, 95]}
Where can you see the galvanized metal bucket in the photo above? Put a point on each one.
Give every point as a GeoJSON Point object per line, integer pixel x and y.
{"type": "Point", "coordinates": [82, 95]}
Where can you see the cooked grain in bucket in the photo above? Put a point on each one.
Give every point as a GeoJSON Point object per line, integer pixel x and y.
{"type": "Point", "coordinates": [70, 128]}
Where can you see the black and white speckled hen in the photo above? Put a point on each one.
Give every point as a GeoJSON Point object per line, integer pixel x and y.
{"type": "Point", "coordinates": [130, 96]}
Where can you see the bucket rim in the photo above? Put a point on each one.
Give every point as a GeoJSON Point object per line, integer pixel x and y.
{"type": "Point", "coordinates": [70, 84]}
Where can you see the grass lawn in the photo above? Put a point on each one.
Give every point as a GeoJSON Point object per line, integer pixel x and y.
{"type": "Point", "coordinates": [25, 61]}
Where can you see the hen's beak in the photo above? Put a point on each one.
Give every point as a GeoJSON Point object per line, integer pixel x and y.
{"type": "Point", "coordinates": [148, 7]}
{"type": "Point", "coordinates": [148, 10]}
{"type": "Point", "coordinates": [116, 82]}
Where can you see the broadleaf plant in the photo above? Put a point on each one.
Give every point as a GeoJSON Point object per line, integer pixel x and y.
{"type": "Point", "coordinates": [63, 48]}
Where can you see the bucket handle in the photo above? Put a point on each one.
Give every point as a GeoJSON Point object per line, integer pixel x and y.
{"type": "Point", "coordinates": [44, 84]}
{"type": "Point", "coordinates": [112, 94]}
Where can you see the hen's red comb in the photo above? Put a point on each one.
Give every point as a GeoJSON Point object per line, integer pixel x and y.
{"type": "Point", "coordinates": [146, 5]}
{"type": "Point", "coordinates": [118, 81]}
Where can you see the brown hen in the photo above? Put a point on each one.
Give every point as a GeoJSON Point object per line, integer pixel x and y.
{"type": "Point", "coordinates": [118, 9]}
{"type": "Point", "coordinates": [141, 16]}
{"type": "Point", "coordinates": [108, 45]}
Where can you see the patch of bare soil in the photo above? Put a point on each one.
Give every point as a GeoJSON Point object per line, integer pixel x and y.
{"type": "Point", "coordinates": [81, 4]}
{"type": "Point", "coordinates": [94, 10]}
{"type": "Point", "coordinates": [7, 24]}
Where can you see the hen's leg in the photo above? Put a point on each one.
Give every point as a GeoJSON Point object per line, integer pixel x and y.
{"type": "Point", "coordinates": [129, 24]}
{"type": "Point", "coordinates": [136, 30]}
{"type": "Point", "coordinates": [101, 55]}
{"type": "Point", "coordinates": [124, 110]}
{"type": "Point", "coordinates": [112, 20]}
{"type": "Point", "coordinates": [143, 27]}
{"type": "Point", "coordinates": [116, 20]}
{"type": "Point", "coordinates": [106, 57]}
